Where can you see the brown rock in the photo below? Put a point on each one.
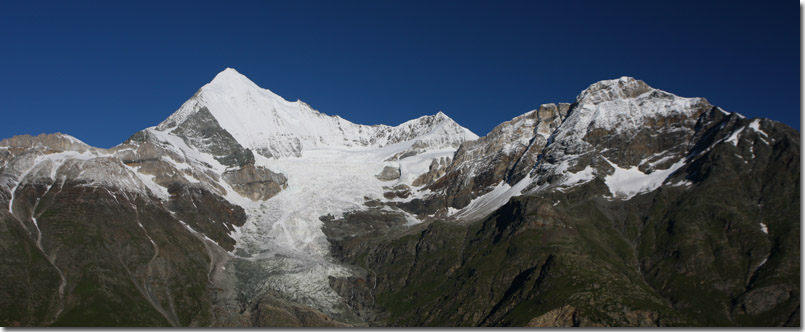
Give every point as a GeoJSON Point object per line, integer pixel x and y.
{"type": "Point", "coordinates": [255, 182]}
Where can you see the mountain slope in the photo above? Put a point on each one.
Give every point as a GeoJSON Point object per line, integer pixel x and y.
{"type": "Point", "coordinates": [244, 209]}
{"type": "Point", "coordinates": [643, 209]}
{"type": "Point", "coordinates": [243, 206]}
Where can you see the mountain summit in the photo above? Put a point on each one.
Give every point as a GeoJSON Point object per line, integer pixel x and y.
{"type": "Point", "coordinates": [264, 122]}
{"type": "Point", "coordinates": [620, 88]}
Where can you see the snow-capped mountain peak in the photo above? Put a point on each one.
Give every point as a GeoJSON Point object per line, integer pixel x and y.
{"type": "Point", "coordinates": [626, 103]}
{"type": "Point", "coordinates": [231, 77]}
{"type": "Point", "coordinates": [607, 90]}
{"type": "Point", "coordinates": [264, 122]}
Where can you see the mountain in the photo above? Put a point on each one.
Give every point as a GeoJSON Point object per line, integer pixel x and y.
{"type": "Point", "coordinates": [630, 206]}
{"type": "Point", "coordinates": [264, 122]}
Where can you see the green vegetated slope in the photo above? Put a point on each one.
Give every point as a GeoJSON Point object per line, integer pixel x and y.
{"type": "Point", "coordinates": [124, 262]}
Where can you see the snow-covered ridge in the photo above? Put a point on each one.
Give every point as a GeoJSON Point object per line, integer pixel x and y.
{"type": "Point", "coordinates": [569, 148]}
{"type": "Point", "coordinates": [607, 90]}
{"type": "Point", "coordinates": [626, 103]}
{"type": "Point", "coordinates": [623, 105]}
{"type": "Point", "coordinates": [263, 121]}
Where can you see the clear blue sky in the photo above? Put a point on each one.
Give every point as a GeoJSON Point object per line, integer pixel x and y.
{"type": "Point", "coordinates": [103, 70]}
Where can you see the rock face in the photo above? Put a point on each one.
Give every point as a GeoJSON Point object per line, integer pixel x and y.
{"type": "Point", "coordinates": [255, 183]}
{"type": "Point", "coordinates": [202, 131]}
{"type": "Point", "coordinates": [630, 206]}
{"type": "Point", "coordinates": [506, 154]}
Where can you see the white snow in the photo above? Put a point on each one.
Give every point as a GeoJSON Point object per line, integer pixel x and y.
{"type": "Point", "coordinates": [148, 181]}
{"type": "Point", "coordinates": [627, 183]}
{"type": "Point", "coordinates": [658, 161]}
{"type": "Point", "coordinates": [615, 107]}
{"type": "Point", "coordinates": [608, 108]}
{"type": "Point", "coordinates": [178, 146]}
{"type": "Point", "coordinates": [323, 181]}
{"type": "Point", "coordinates": [23, 173]}
{"type": "Point", "coordinates": [580, 177]}
{"type": "Point", "coordinates": [682, 183]}
{"type": "Point", "coordinates": [734, 137]}
{"type": "Point", "coordinates": [266, 123]}
{"type": "Point", "coordinates": [728, 113]}
{"type": "Point", "coordinates": [763, 228]}
{"type": "Point", "coordinates": [413, 167]}
{"type": "Point", "coordinates": [483, 205]}
{"type": "Point", "coordinates": [755, 126]}
{"type": "Point", "coordinates": [47, 165]}
{"type": "Point", "coordinates": [330, 171]}
{"type": "Point", "coordinates": [763, 262]}
{"type": "Point", "coordinates": [192, 231]}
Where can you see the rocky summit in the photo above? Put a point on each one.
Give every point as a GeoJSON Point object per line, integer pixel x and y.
{"type": "Point", "coordinates": [629, 206]}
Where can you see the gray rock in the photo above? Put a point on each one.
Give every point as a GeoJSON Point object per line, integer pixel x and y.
{"type": "Point", "coordinates": [256, 183]}
{"type": "Point", "coordinates": [389, 173]}
{"type": "Point", "coordinates": [202, 131]}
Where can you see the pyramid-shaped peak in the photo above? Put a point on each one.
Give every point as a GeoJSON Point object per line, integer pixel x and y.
{"type": "Point", "coordinates": [231, 84]}
{"type": "Point", "coordinates": [230, 77]}
{"type": "Point", "coordinates": [434, 119]}
{"type": "Point", "coordinates": [228, 73]}
{"type": "Point", "coordinates": [624, 87]}
{"type": "Point", "coordinates": [441, 116]}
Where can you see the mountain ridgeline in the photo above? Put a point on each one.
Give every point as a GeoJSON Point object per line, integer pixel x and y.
{"type": "Point", "coordinates": [630, 206]}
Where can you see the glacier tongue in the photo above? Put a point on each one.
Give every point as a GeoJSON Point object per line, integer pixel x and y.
{"type": "Point", "coordinates": [284, 234]}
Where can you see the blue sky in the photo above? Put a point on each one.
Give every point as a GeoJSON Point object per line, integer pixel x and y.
{"type": "Point", "coordinates": [102, 70]}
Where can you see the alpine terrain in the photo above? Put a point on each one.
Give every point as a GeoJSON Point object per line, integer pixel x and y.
{"type": "Point", "coordinates": [630, 206]}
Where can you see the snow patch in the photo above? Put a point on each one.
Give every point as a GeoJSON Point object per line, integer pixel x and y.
{"type": "Point", "coordinates": [582, 176]}
{"type": "Point", "coordinates": [755, 126]}
{"type": "Point", "coordinates": [627, 183]}
{"type": "Point", "coordinates": [483, 205]}
{"type": "Point", "coordinates": [148, 181]}
{"type": "Point", "coordinates": [682, 183]}
{"type": "Point", "coordinates": [734, 137]}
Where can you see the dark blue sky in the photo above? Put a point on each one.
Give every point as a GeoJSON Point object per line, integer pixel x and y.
{"type": "Point", "coordinates": [103, 70]}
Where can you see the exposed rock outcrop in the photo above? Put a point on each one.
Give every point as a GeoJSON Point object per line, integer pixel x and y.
{"type": "Point", "coordinates": [389, 173]}
{"type": "Point", "coordinates": [507, 154]}
{"type": "Point", "coordinates": [256, 183]}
